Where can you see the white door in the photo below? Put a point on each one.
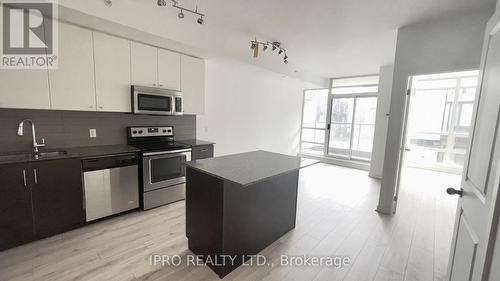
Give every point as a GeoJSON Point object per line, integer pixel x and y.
{"type": "Point", "coordinates": [144, 64]}
{"type": "Point", "coordinates": [169, 70]}
{"type": "Point", "coordinates": [476, 216]}
{"type": "Point", "coordinates": [402, 147]}
{"type": "Point", "coordinates": [72, 83]}
{"type": "Point", "coordinates": [112, 73]}
{"type": "Point", "coordinates": [193, 84]}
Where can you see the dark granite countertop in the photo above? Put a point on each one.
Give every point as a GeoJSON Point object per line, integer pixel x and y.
{"type": "Point", "coordinates": [196, 142]}
{"type": "Point", "coordinates": [250, 167]}
{"type": "Point", "coordinates": [71, 152]}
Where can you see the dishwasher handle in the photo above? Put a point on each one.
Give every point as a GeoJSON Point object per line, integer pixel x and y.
{"type": "Point", "coordinates": [102, 163]}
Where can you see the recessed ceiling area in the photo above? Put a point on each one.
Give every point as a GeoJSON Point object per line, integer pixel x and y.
{"type": "Point", "coordinates": [328, 38]}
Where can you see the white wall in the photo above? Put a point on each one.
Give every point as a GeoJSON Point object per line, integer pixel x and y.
{"type": "Point", "coordinates": [450, 43]}
{"type": "Point", "coordinates": [249, 108]}
{"type": "Point", "coordinates": [382, 120]}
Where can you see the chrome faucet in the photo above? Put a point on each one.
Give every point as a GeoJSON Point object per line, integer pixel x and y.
{"type": "Point", "coordinates": [20, 132]}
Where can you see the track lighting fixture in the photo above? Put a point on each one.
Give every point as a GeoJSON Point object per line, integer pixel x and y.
{"type": "Point", "coordinates": [175, 4]}
{"type": "Point", "coordinates": [108, 3]}
{"type": "Point", "coordinates": [265, 45]}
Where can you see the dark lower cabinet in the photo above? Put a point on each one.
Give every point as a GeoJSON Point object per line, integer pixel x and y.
{"type": "Point", "coordinates": [57, 196]}
{"type": "Point", "coordinates": [16, 214]}
{"type": "Point", "coordinates": [39, 199]}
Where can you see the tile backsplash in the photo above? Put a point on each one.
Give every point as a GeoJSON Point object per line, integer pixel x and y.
{"type": "Point", "coordinates": [63, 129]}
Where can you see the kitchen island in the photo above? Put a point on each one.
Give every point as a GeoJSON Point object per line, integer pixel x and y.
{"type": "Point", "coordinates": [237, 205]}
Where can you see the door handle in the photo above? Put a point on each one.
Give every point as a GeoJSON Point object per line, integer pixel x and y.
{"type": "Point", "coordinates": [24, 177]}
{"type": "Point", "coordinates": [36, 176]}
{"type": "Point", "coordinates": [452, 191]}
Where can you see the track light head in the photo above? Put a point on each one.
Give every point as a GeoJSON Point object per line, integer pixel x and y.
{"type": "Point", "coordinates": [264, 47]}
{"type": "Point", "coordinates": [200, 20]}
{"type": "Point", "coordinates": [286, 57]}
{"type": "Point", "coordinates": [285, 61]}
{"type": "Point", "coordinates": [254, 45]}
{"type": "Point", "coordinates": [280, 52]}
{"type": "Point", "coordinates": [181, 15]}
{"type": "Point", "coordinates": [109, 3]}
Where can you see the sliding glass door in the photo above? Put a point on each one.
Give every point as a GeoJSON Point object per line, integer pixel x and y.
{"type": "Point", "coordinates": [339, 125]}
{"type": "Point", "coordinates": [339, 143]}
{"type": "Point", "coordinates": [352, 127]}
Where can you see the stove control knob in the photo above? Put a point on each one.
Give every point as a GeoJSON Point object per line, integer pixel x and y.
{"type": "Point", "coordinates": [164, 131]}
{"type": "Point", "coordinates": [140, 131]}
{"type": "Point", "coordinates": [134, 132]}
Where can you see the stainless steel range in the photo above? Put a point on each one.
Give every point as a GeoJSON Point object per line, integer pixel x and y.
{"type": "Point", "coordinates": [162, 164]}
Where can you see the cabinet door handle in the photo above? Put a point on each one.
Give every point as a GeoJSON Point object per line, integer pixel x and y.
{"type": "Point", "coordinates": [204, 150]}
{"type": "Point", "coordinates": [36, 177]}
{"type": "Point", "coordinates": [24, 177]}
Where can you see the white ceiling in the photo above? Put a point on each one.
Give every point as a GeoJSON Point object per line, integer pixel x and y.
{"type": "Point", "coordinates": [331, 37]}
{"type": "Point", "coordinates": [324, 38]}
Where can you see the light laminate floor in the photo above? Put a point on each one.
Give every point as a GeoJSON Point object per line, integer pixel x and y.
{"type": "Point", "coordinates": [335, 217]}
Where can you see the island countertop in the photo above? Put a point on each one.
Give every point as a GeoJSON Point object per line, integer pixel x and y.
{"type": "Point", "coordinates": [250, 167]}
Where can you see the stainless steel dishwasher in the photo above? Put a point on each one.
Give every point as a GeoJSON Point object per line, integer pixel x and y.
{"type": "Point", "coordinates": [111, 185]}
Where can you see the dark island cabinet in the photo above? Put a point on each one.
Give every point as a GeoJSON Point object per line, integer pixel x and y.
{"type": "Point", "coordinates": [16, 217]}
{"type": "Point", "coordinates": [39, 199]}
{"type": "Point", "coordinates": [202, 152]}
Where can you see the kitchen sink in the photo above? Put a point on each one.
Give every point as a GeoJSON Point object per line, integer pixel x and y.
{"type": "Point", "coordinates": [27, 156]}
{"type": "Point", "coordinates": [49, 154]}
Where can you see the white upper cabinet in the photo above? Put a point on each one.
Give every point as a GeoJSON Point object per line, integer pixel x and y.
{"type": "Point", "coordinates": [144, 64]}
{"type": "Point", "coordinates": [193, 84]}
{"type": "Point", "coordinates": [72, 83]}
{"type": "Point", "coordinates": [112, 73]}
{"type": "Point", "coordinates": [95, 71]}
{"type": "Point", "coordinates": [169, 70]}
{"type": "Point", "coordinates": [24, 89]}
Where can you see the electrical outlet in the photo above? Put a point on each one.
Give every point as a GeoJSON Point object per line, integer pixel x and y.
{"type": "Point", "coordinates": [93, 133]}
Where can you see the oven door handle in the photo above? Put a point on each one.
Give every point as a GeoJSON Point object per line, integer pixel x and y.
{"type": "Point", "coordinates": [167, 152]}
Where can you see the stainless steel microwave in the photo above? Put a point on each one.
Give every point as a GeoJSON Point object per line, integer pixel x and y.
{"type": "Point", "coordinates": [156, 101]}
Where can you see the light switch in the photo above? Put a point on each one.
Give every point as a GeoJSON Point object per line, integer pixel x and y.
{"type": "Point", "coordinates": [93, 133]}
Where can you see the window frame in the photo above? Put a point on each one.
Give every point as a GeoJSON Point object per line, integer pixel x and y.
{"type": "Point", "coordinates": [328, 122]}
